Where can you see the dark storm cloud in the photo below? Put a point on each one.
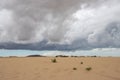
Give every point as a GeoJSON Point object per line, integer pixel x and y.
{"type": "Point", "coordinates": [59, 24]}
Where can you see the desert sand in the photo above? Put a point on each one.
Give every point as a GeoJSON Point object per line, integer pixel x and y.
{"type": "Point", "coordinates": [41, 68]}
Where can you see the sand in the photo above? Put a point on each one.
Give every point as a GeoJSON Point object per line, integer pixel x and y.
{"type": "Point", "coordinates": [41, 68]}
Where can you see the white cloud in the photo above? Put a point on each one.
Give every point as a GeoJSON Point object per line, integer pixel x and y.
{"type": "Point", "coordinates": [6, 20]}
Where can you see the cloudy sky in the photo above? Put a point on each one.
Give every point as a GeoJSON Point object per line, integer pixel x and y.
{"type": "Point", "coordinates": [59, 24]}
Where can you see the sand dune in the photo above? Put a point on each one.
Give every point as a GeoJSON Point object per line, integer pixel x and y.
{"type": "Point", "coordinates": [41, 68]}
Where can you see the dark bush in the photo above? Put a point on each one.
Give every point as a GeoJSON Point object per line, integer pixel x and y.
{"type": "Point", "coordinates": [53, 60]}
{"type": "Point", "coordinates": [81, 62]}
{"type": "Point", "coordinates": [88, 68]}
{"type": "Point", "coordinates": [74, 68]}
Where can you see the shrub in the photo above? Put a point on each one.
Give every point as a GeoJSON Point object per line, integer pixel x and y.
{"type": "Point", "coordinates": [81, 63]}
{"type": "Point", "coordinates": [74, 68]}
{"type": "Point", "coordinates": [88, 68]}
{"type": "Point", "coordinates": [53, 60]}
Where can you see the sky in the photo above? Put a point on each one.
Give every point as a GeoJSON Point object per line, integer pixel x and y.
{"type": "Point", "coordinates": [104, 52]}
{"type": "Point", "coordinates": [59, 24]}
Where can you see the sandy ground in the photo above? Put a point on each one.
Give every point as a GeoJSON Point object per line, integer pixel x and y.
{"type": "Point", "coordinates": [41, 68]}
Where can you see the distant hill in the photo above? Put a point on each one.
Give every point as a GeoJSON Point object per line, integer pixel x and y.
{"type": "Point", "coordinates": [35, 56]}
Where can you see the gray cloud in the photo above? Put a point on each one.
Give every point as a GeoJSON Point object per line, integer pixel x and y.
{"type": "Point", "coordinates": [59, 24]}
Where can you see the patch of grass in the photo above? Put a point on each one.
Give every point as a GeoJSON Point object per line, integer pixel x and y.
{"type": "Point", "coordinates": [53, 60]}
{"type": "Point", "coordinates": [88, 68]}
{"type": "Point", "coordinates": [74, 68]}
